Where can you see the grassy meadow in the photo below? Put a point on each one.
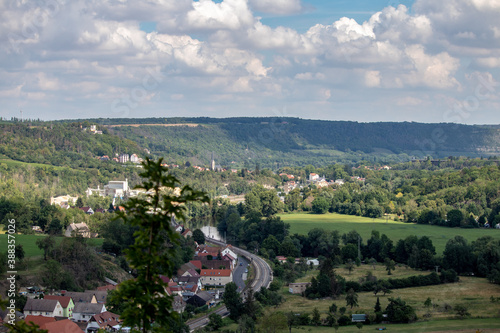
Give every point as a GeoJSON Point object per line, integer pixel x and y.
{"type": "Point", "coordinates": [301, 223]}
{"type": "Point", "coordinates": [29, 243]}
{"type": "Point", "coordinates": [472, 292]}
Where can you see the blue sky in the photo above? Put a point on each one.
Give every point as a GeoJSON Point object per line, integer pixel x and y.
{"type": "Point", "coordinates": [367, 60]}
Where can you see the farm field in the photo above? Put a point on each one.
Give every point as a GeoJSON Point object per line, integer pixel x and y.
{"type": "Point", "coordinates": [301, 223]}
{"type": "Point", "coordinates": [361, 271]}
{"type": "Point", "coordinates": [29, 243]}
{"type": "Point", "coordinates": [472, 292]}
{"type": "Point", "coordinates": [489, 325]}
{"type": "Point", "coordinates": [484, 325]}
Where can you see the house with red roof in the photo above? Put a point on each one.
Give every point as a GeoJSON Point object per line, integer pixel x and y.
{"type": "Point", "coordinates": [62, 326]}
{"type": "Point", "coordinates": [216, 277]}
{"type": "Point", "coordinates": [187, 233]}
{"type": "Point", "coordinates": [197, 263]}
{"type": "Point", "coordinates": [107, 287]}
{"type": "Point", "coordinates": [66, 303]}
{"type": "Point", "coordinates": [52, 326]}
{"type": "Point", "coordinates": [107, 321]}
{"type": "Point", "coordinates": [38, 320]}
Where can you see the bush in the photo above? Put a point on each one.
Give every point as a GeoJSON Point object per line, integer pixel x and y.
{"type": "Point", "coordinates": [399, 312]}
{"type": "Point", "coordinates": [344, 320]}
{"type": "Point", "coordinates": [449, 276]}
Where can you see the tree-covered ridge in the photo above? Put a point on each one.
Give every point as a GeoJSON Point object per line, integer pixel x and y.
{"type": "Point", "coordinates": [294, 141]}
{"type": "Point", "coordinates": [60, 144]}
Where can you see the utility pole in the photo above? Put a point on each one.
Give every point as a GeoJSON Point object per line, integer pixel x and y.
{"type": "Point", "coordinates": [21, 115]}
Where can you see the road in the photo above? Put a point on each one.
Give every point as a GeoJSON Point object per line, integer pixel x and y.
{"type": "Point", "coordinates": [262, 278]}
{"type": "Point", "coordinates": [239, 275]}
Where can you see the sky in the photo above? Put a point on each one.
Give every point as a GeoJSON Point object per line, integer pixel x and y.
{"type": "Point", "coordinates": [361, 60]}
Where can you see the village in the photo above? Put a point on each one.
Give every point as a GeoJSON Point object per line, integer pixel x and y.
{"type": "Point", "coordinates": [198, 284]}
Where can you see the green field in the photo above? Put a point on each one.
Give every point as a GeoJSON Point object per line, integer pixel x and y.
{"type": "Point", "coordinates": [484, 325]}
{"type": "Point", "coordinates": [301, 223]}
{"type": "Point", "coordinates": [29, 243]}
{"type": "Point", "coordinates": [487, 325]}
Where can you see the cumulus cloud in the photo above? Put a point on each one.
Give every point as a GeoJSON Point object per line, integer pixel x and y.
{"type": "Point", "coordinates": [281, 7]}
{"type": "Point", "coordinates": [214, 52]}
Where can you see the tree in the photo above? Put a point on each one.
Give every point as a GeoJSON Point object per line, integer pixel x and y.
{"type": "Point", "coordinates": [199, 236]}
{"type": "Point", "coordinates": [154, 249]}
{"type": "Point", "coordinates": [373, 262]}
{"type": "Point", "coordinates": [246, 324]}
{"type": "Point", "coordinates": [233, 301]}
{"type": "Point", "coordinates": [351, 298]}
{"type": "Point", "coordinates": [250, 306]}
{"type": "Point", "coordinates": [428, 302]}
{"type": "Point", "coordinates": [349, 266]}
{"type": "Point", "coordinates": [46, 244]}
{"type": "Point", "coordinates": [390, 265]}
{"type": "Point", "coordinates": [273, 322]}
{"type": "Point", "coordinates": [79, 202]}
{"type": "Point", "coordinates": [461, 311]}
{"type": "Point", "coordinates": [455, 218]}
{"type": "Point", "coordinates": [399, 312]}
{"type": "Point", "coordinates": [377, 307]}
{"type": "Point", "coordinates": [316, 317]}
{"type": "Point", "coordinates": [458, 255]}
{"type": "Point", "coordinates": [331, 320]}
{"type": "Point", "coordinates": [214, 322]}
{"type": "Point", "coordinates": [320, 205]}
{"type": "Point", "coordinates": [19, 252]}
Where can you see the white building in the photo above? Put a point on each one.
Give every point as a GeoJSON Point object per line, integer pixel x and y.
{"type": "Point", "coordinates": [124, 158]}
{"type": "Point", "coordinates": [134, 158]}
{"type": "Point", "coordinates": [313, 177]}
{"type": "Point", "coordinates": [116, 188]}
{"type": "Point", "coordinates": [216, 277]}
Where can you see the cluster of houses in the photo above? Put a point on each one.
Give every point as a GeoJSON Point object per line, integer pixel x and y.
{"type": "Point", "coordinates": [71, 312]}
{"type": "Point", "coordinates": [200, 281]}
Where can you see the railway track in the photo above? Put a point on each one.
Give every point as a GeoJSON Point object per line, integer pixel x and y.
{"type": "Point", "coordinates": [262, 278]}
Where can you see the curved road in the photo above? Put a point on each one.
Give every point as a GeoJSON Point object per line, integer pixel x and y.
{"type": "Point", "coordinates": [262, 278]}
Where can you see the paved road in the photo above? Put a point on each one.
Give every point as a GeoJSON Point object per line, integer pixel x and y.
{"type": "Point", "coordinates": [239, 275]}
{"type": "Point", "coordinates": [263, 277]}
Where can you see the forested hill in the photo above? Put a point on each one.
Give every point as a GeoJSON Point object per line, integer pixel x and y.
{"type": "Point", "coordinates": [60, 144]}
{"type": "Point", "coordinates": [300, 141]}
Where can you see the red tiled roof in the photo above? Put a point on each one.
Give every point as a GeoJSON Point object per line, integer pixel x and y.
{"type": "Point", "coordinates": [165, 278]}
{"type": "Point", "coordinates": [106, 319]}
{"type": "Point", "coordinates": [197, 263]}
{"type": "Point", "coordinates": [64, 300]}
{"type": "Point", "coordinates": [106, 287]}
{"type": "Point", "coordinates": [62, 326]}
{"type": "Point", "coordinates": [215, 272]}
{"type": "Point", "coordinates": [38, 320]}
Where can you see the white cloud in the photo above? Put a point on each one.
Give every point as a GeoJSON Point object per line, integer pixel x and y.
{"type": "Point", "coordinates": [372, 78]}
{"type": "Point", "coordinates": [432, 71]}
{"type": "Point", "coordinates": [229, 14]}
{"type": "Point", "coordinates": [281, 7]}
{"type": "Point", "coordinates": [491, 62]}
{"type": "Point", "coordinates": [214, 53]}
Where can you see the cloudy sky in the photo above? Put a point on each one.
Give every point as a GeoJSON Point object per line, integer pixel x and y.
{"type": "Point", "coordinates": [362, 60]}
